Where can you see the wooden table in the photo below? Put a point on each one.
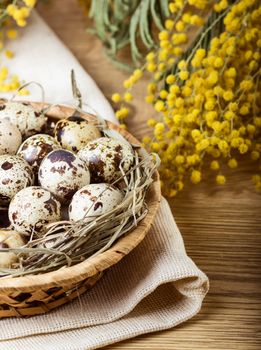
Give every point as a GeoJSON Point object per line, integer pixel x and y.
{"type": "Point", "coordinates": [221, 226]}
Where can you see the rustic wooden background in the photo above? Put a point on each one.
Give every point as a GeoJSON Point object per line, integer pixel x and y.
{"type": "Point", "coordinates": [221, 226]}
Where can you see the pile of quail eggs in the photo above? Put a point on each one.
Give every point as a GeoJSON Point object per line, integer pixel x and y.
{"type": "Point", "coordinates": [48, 176]}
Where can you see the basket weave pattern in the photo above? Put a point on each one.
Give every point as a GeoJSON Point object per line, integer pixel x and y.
{"type": "Point", "coordinates": [38, 294]}
{"type": "Point", "coordinates": [40, 301]}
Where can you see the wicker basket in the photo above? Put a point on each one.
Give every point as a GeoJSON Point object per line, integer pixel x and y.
{"type": "Point", "coordinates": [38, 294]}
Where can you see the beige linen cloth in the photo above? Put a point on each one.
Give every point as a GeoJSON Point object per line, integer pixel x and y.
{"type": "Point", "coordinates": [157, 286]}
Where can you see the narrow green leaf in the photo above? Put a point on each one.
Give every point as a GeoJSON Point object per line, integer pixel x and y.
{"type": "Point", "coordinates": [106, 11]}
{"type": "Point", "coordinates": [92, 8]}
{"type": "Point", "coordinates": [112, 46]}
{"type": "Point", "coordinates": [122, 9]}
{"type": "Point", "coordinates": [133, 28]}
{"type": "Point", "coordinates": [155, 14]}
{"type": "Point", "coordinates": [119, 64]}
{"type": "Point", "coordinates": [101, 31]}
{"type": "Point", "coordinates": [123, 37]}
{"type": "Point", "coordinates": [144, 24]}
{"type": "Point", "coordinates": [164, 6]}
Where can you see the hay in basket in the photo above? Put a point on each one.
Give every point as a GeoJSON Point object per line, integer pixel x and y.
{"type": "Point", "coordinates": [71, 257]}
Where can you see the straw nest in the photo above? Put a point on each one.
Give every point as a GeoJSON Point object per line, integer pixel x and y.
{"type": "Point", "coordinates": [66, 243]}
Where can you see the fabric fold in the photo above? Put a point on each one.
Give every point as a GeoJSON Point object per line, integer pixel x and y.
{"type": "Point", "coordinates": [156, 286]}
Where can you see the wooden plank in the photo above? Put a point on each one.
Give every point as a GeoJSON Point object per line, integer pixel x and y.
{"type": "Point", "coordinates": [221, 226]}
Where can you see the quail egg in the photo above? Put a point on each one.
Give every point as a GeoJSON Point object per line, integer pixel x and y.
{"type": "Point", "coordinates": [94, 200]}
{"type": "Point", "coordinates": [35, 148]}
{"type": "Point", "coordinates": [10, 137]}
{"type": "Point", "coordinates": [9, 239]}
{"type": "Point", "coordinates": [75, 132]}
{"type": "Point", "coordinates": [28, 120]}
{"type": "Point", "coordinates": [15, 174]}
{"type": "Point", "coordinates": [63, 173]}
{"type": "Point", "coordinates": [32, 208]}
{"type": "Point", "coordinates": [104, 157]}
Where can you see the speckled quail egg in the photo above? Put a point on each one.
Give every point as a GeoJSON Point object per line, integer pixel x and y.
{"type": "Point", "coordinates": [9, 239]}
{"type": "Point", "coordinates": [104, 157]}
{"type": "Point", "coordinates": [63, 173]}
{"type": "Point", "coordinates": [35, 148]}
{"type": "Point", "coordinates": [32, 208]}
{"type": "Point", "coordinates": [75, 132]}
{"type": "Point", "coordinates": [28, 120]}
{"type": "Point", "coordinates": [94, 200]}
{"type": "Point", "coordinates": [10, 137]}
{"type": "Point", "coordinates": [15, 174]}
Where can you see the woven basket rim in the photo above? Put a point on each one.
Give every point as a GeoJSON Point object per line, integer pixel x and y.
{"type": "Point", "coordinates": [103, 261]}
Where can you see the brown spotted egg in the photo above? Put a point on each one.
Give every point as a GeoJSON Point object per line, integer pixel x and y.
{"type": "Point", "coordinates": [28, 120]}
{"type": "Point", "coordinates": [15, 174]}
{"type": "Point", "coordinates": [104, 157]}
{"type": "Point", "coordinates": [63, 173]}
{"type": "Point", "coordinates": [10, 137]}
{"type": "Point", "coordinates": [32, 209]}
{"type": "Point", "coordinates": [94, 200]}
{"type": "Point", "coordinates": [35, 148]}
{"type": "Point", "coordinates": [9, 239]}
{"type": "Point", "coordinates": [75, 132]}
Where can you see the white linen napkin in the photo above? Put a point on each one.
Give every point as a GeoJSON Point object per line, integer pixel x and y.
{"type": "Point", "coordinates": [41, 57]}
{"type": "Point", "coordinates": [155, 287]}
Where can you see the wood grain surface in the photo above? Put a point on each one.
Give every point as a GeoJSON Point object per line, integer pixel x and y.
{"type": "Point", "coordinates": [221, 226]}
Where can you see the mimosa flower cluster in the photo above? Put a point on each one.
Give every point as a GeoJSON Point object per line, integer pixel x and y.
{"type": "Point", "coordinates": [13, 14]}
{"type": "Point", "coordinates": [206, 93]}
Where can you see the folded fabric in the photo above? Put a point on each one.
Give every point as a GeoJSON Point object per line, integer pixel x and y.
{"type": "Point", "coordinates": [155, 287]}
